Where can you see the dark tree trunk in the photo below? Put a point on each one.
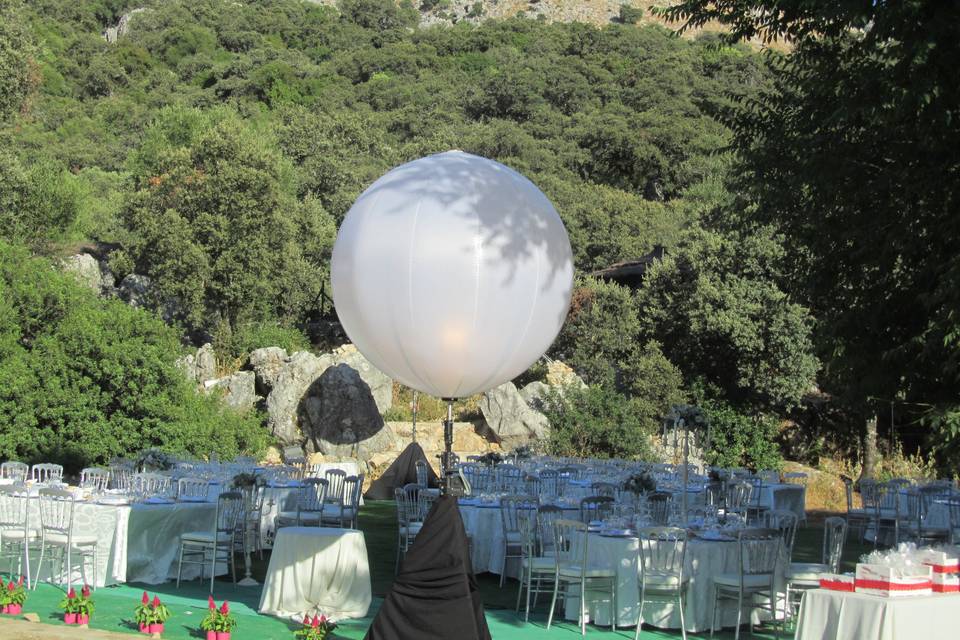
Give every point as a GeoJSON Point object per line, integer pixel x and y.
{"type": "Point", "coordinates": [870, 448]}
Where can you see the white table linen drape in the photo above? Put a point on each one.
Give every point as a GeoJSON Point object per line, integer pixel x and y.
{"type": "Point", "coordinates": [837, 615]}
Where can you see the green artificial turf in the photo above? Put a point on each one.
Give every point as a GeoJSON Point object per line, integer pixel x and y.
{"type": "Point", "coordinates": [188, 604]}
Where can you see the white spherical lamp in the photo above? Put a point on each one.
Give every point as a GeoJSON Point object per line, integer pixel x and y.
{"type": "Point", "coordinates": [452, 274]}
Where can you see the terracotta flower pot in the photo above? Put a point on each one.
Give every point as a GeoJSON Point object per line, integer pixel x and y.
{"type": "Point", "coordinates": [70, 618]}
{"type": "Point", "coordinates": [211, 635]}
{"type": "Point", "coordinates": [156, 628]}
{"type": "Point", "coordinates": [223, 635]}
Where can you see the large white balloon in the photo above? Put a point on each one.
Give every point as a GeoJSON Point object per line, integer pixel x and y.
{"type": "Point", "coordinates": [452, 274]}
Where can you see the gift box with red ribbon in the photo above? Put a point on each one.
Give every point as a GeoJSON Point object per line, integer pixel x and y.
{"type": "Point", "coordinates": [837, 581]}
{"type": "Point", "coordinates": [893, 582]}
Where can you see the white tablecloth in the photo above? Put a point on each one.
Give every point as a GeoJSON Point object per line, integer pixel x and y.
{"type": "Point", "coordinates": [153, 539]}
{"type": "Point", "coordinates": [317, 571]}
{"type": "Point", "coordinates": [704, 559]}
{"type": "Point", "coordinates": [837, 615]}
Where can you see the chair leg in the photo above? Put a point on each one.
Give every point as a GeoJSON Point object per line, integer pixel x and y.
{"type": "Point", "coordinates": [39, 564]}
{"type": "Point", "coordinates": [683, 624]}
{"type": "Point", "coordinates": [180, 565]}
{"type": "Point", "coordinates": [614, 606]}
{"type": "Point", "coordinates": [503, 566]}
{"type": "Point", "coordinates": [213, 567]}
{"type": "Point", "coordinates": [526, 613]}
{"type": "Point", "coordinates": [736, 632]}
{"type": "Point", "coordinates": [713, 612]}
{"type": "Point", "coordinates": [553, 601]}
{"type": "Point", "coordinates": [643, 596]}
{"type": "Point", "coordinates": [583, 607]}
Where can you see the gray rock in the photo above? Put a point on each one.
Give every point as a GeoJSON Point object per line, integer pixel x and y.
{"type": "Point", "coordinates": [201, 366]}
{"type": "Point", "coordinates": [511, 419]}
{"type": "Point", "coordinates": [267, 364]}
{"type": "Point", "coordinates": [90, 272]}
{"type": "Point", "coordinates": [534, 393]}
{"type": "Point", "coordinates": [137, 291]}
{"type": "Point", "coordinates": [339, 416]}
{"type": "Point", "coordinates": [290, 389]}
{"type": "Point", "coordinates": [238, 390]}
{"type": "Point", "coordinates": [381, 386]}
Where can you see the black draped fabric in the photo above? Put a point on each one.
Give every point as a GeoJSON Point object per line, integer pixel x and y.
{"type": "Point", "coordinates": [435, 595]}
{"type": "Point", "coordinates": [401, 472]}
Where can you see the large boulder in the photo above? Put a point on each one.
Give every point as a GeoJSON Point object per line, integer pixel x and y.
{"type": "Point", "coordinates": [137, 290]}
{"type": "Point", "coordinates": [560, 374]}
{"type": "Point", "coordinates": [381, 386]}
{"type": "Point", "coordinates": [90, 272]}
{"type": "Point", "coordinates": [339, 416]}
{"type": "Point", "coordinates": [511, 419]}
{"type": "Point", "coordinates": [238, 390]}
{"type": "Point", "coordinates": [267, 364]}
{"type": "Point", "coordinates": [295, 378]}
{"type": "Point", "coordinates": [201, 366]}
{"type": "Point", "coordinates": [534, 393]}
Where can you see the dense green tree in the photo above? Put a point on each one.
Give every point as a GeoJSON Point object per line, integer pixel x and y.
{"type": "Point", "coordinates": [84, 379]}
{"type": "Point", "coordinates": [37, 204]}
{"type": "Point", "coordinates": [18, 75]}
{"type": "Point", "coordinates": [714, 304]}
{"type": "Point", "coordinates": [216, 223]}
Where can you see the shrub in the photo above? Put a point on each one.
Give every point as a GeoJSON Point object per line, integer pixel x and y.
{"type": "Point", "coordinates": [232, 344]}
{"type": "Point", "coordinates": [741, 440]}
{"type": "Point", "coordinates": [83, 380]}
{"type": "Point", "coordinates": [630, 14]}
{"type": "Point", "coordinates": [599, 422]}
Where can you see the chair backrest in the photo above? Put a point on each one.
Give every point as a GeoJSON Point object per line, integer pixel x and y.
{"type": "Point", "coordinates": [425, 500]}
{"type": "Point", "coordinates": [229, 510]}
{"type": "Point", "coordinates": [13, 507]}
{"type": "Point", "coordinates": [46, 472]}
{"type": "Point", "coordinates": [758, 551]}
{"type": "Point", "coordinates": [738, 495]}
{"type": "Point", "coordinates": [312, 494]}
{"type": "Point", "coordinates": [510, 508]}
{"type": "Point", "coordinates": [546, 516]}
{"type": "Point", "coordinates": [548, 483]}
{"type": "Point", "coordinates": [570, 541]}
{"type": "Point", "coordinates": [335, 479]}
{"type": "Point", "coordinates": [16, 471]}
{"type": "Point", "coordinates": [95, 478]}
{"type": "Point", "coordinates": [150, 483]}
{"type": "Point", "coordinates": [848, 489]}
{"type": "Point", "coordinates": [785, 522]}
{"type": "Point", "coordinates": [834, 537]}
{"type": "Point", "coordinates": [756, 490]}
{"type": "Point", "coordinates": [352, 488]}
{"type": "Point", "coordinates": [714, 493]}
{"type": "Point", "coordinates": [422, 476]}
{"type": "Point", "coordinates": [886, 498]}
{"type": "Point", "coordinates": [661, 552]}
{"type": "Point", "coordinates": [193, 488]}
{"type": "Point", "coordinates": [659, 505]}
{"type": "Point", "coordinates": [121, 476]}
{"type": "Point", "coordinates": [408, 509]}
{"type": "Point", "coordinates": [507, 477]}
{"type": "Point", "coordinates": [604, 489]}
{"type": "Point", "coordinates": [953, 506]}
{"type": "Point", "coordinates": [595, 508]}
{"type": "Point", "coordinates": [56, 511]}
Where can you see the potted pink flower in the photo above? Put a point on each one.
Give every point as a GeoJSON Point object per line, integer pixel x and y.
{"type": "Point", "coordinates": [70, 605]}
{"type": "Point", "coordinates": [160, 614]}
{"type": "Point", "coordinates": [84, 606]}
{"type": "Point", "coordinates": [143, 614]}
{"type": "Point", "coordinates": [317, 628]}
{"type": "Point", "coordinates": [225, 622]}
{"type": "Point", "coordinates": [16, 595]}
{"type": "Point", "coordinates": [209, 623]}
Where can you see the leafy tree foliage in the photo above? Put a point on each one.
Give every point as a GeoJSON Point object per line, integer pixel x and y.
{"type": "Point", "coordinates": [741, 440]}
{"type": "Point", "coordinates": [84, 379]}
{"type": "Point", "coordinates": [17, 67]}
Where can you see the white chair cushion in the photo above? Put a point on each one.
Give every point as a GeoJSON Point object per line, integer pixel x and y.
{"type": "Point", "coordinates": [749, 581]}
{"type": "Point", "coordinates": [574, 571]}
{"type": "Point", "coordinates": [411, 529]}
{"type": "Point", "coordinates": [205, 537]}
{"type": "Point", "coordinates": [60, 539]}
{"type": "Point", "coordinates": [540, 565]}
{"type": "Point", "coordinates": [657, 580]}
{"type": "Point", "coordinates": [806, 571]}
{"type": "Point", "coordinates": [17, 534]}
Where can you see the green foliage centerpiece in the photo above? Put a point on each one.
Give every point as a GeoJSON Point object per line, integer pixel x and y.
{"type": "Point", "coordinates": [155, 460]}
{"type": "Point", "coordinates": [77, 609]}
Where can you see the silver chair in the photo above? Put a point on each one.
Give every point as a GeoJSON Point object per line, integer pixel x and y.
{"type": "Point", "coordinates": [57, 533]}
{"type": "Point", "coordinates": [215, 545]}
{"type": "Point", "coordinates": [335, 479]}
{"type": "Point", "coordinates": [802, 576]}
{"type": "Point", "coordinates": [148, 484]}
{"type": "Point", "coordinates": [121, 476]}
{"type": "Point", "coordinates": [95, 478]}
{"type": "Point", "coordinates": [536, 571]}
{"type": "Point", "coordinates": [409, 520]}
{"type": "Point", "coordinates": [511, 509]}
{"type": "Point", "coordinates": [193, 489]}
{"type": "Point", "coordinates": [856, 517]}
{"type": "Point", "coordinates": [423, 478]}
{"type": "Point", "coordinates": [571, 544]}
{"type": "Point", "coordinates": [659, 504]}
{"type": "Point", "coordinates": [311, 498]}
{"type": "Point", "coordinates": [603, 489]}
{"type": "Point", "coordinates": [16, 471]}
{"type": "Point", "coordinates": [595, 508]}
{"type": "Point", "coordinates": [344, 513]}
{"type": "Point", "coordinates": [661, 555]}
{"type": "Point", "coordinates": [15, 532]}
{"type": "Point", "coordinates": [758, 551]}
{"type": "Point", "coordinates": [46, 473]}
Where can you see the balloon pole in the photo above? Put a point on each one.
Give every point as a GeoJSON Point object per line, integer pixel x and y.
{"type": "Point", "coordinates": [414, 411]}
{"type": "Point", "coordinates": [452, 485]}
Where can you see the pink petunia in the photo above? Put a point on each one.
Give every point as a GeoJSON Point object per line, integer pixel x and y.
{"type": "Point", "coordinates": [145, 599]}
{"type": "Point", "coordinates": [225, 608]}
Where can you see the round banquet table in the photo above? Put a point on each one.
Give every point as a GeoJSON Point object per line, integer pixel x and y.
{"type": "Point", "coordinates": [317, 571]}
{"type": "Point", "coordinates": [837, 615]}
{"type": "Point", "coordinates": [704, 559]}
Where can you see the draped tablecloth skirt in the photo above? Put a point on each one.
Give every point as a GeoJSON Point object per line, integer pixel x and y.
{"type": "Point", "coordinates": [836, 615]}
{"type": "Point", "coordinates": [317, 570]}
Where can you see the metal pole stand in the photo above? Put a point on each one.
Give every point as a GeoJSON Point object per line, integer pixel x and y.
{"type": "Point", "coordinates": [451, 484]}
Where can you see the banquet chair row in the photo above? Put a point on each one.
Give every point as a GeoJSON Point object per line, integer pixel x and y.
{"type": "Point", "coordinates": [42, 473]}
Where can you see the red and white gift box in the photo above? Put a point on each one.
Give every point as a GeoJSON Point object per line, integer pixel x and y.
{"type": "Point", "coordinates": [946, 582]}
{"type": "Point", "coordinates": [837, 581]}
{"type": "Point", "coordinates": [893, 582]}
{"type": "Point", "coordinates": [940, 561]}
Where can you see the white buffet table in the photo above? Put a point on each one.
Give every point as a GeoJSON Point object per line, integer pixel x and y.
{"type": "Point", "coordinates": [317, 571]}
{"type": "Point", "coordinates": [838, 615]}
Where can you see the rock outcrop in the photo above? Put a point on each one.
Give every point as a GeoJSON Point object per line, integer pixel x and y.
{"type": "Point", "coordinates": [381, 386]}
{"type": "Point", "coordinates": [238, 390]}
{"type": "Point", "coordinates": [339, 415]}
{"type": "Point", "coordinates": [91, 273]}
{"type": "Point", "coordinates": [267, 364]}
{"type": "Point", "coordinates": [289, 390]}
{"type": "Point", "coordinates": [513, 422]}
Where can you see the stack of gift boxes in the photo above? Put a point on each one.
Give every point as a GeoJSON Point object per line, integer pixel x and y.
{"type": "Point", "coordinates": [905, 571]}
